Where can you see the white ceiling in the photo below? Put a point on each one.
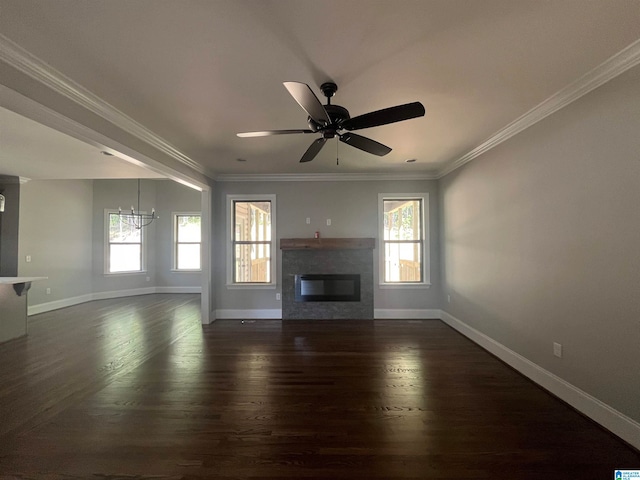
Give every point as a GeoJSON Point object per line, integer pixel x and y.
{"type": "Point", "coordinates": [197, 72]}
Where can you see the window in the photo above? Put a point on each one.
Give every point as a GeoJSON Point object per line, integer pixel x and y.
{"type": "Point", "coordinates": [187, 239]}
{"type": "Point", "coordinates": [251, 226]}
{"type": "Point", "coordinates": [124, 251]}
{"type": "Point", "coordinates": [404, 247]}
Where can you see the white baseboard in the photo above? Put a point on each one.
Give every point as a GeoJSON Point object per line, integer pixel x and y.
{"type": "Point", "coordinates": [255, 314]}
{"type": "Point", "coordinates": [178, 290]}
{"type": "Point", "coordinates": [57, 304]}
{"type": "Point", "coordinates": [123, 293]}
{"type": "Point", "coordinates": [616, 422]}
{"type": "Point", "coordinates": [406, 313]}
{"type": "Point", "coordinates": [277, 314]}
{"type": "Point", "coordinates": [69, 302]}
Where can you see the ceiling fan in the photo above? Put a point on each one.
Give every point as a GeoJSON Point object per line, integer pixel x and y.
{"type": "Point", "coordinates": [330, 120]}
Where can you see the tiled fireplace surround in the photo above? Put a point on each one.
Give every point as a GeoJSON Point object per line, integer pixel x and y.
{"type": "Point", "coordinates": [327, 256]}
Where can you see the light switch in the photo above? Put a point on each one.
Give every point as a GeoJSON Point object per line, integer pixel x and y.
{"type": "Point", "coordinates": [557, 349]}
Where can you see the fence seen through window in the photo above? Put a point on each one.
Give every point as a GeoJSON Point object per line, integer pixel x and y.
{"type": "Point", "coordinates": [252, 241]}
{"type": "Point", "coordinates": [403, 240]}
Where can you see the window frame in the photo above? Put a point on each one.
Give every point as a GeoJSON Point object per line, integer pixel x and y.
{"type": "Point", "coordinates": [231, 200]}
{"type": "Point", "coordinates": [107, 247]}
{"type": "Point", "coordinates": [424, 243]}
{"type": "Point", "coordinates": [175, 243]}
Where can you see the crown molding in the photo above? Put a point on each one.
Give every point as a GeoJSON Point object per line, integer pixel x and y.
{"type": "Point", "coordinates": [19, 58]}
{"type": "Point", "coordinates": [619, 63]}
{"type": "Point", "coordinates": [27, 63]}
{"type": "Point", "coordinates": [323, 177]}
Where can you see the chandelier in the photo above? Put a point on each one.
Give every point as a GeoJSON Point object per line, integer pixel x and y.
{"type": "Point", "coordinates": [136, 218]}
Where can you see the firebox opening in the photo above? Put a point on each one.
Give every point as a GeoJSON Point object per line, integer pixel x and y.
{"type": "Point", "coordinates": [327, 288]}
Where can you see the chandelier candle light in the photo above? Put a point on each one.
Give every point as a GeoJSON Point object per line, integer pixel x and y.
{"type": "Point", "coordinates": [137, 220]}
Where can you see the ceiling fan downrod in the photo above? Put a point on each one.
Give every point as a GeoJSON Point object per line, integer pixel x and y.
{"type": "Point", "coordinates": [329, 89]}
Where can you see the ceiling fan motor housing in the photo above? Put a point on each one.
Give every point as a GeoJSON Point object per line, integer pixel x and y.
{"type": "Point", "coordinates": [337, 115]}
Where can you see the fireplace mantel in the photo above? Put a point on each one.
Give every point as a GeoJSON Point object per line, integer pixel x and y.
{"type": "Point", "coordinates": [327, 243]}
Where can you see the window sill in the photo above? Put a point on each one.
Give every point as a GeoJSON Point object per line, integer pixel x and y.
{"type": "Point", "coordinates": [251, 286]}
{"type": "Point", "coordinates": [182, 270]}
{"type": "Point", "coordinates": [137, 272]}
{"type": "Point", "coordinates": [404, 285]}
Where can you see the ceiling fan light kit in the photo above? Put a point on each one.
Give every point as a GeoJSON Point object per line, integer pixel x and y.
{"type": "Point", "coordinates": [329, 120]}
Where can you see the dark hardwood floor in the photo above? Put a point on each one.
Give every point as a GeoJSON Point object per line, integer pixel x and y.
{"type": "Point", "coordinates": [137, 388]}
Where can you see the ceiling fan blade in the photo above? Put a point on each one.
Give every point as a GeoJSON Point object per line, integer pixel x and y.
{"type": "Point", "coordinates": [302, 93]}
{"type": "Point", "coordinates": [267, 133]}
{"type": "Point", "coordinates": [364, 143]}
{"type": "Point", "coordinates": [313, 150]}
{"type": "Point", "coordinates": [385, 116]}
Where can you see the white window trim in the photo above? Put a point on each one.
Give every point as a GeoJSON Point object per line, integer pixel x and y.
{"type": "Point", "coordinates": [143, 261]}
{"type": "Point", "coordinates": [174, 243]}
{"type": "Point", "coordinates": [250, 198]}
{"type": "Point", "coordinates": [426, 254]}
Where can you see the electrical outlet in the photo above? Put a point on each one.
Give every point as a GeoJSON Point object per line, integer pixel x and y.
{"type": "Point", "coordinates": [148, 279]}
{"type": "Point", "coordinates": [28, 259]}
{"type": "Point", "coordinates": [557, 349]}
{"type": "Point", "coordinates": [308, 221]}
{"type": "Point", "coordinates": [48, 291]}
{"type": "Point", "coordinates": [328, 222]}
{"type": "Point", "coordinates": [448, 298]}
{"type": "Point", "coordinates": [277, 296]}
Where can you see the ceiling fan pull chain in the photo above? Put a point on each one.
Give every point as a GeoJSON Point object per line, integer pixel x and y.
{"type": "Point", "coordinates": [337, 156]}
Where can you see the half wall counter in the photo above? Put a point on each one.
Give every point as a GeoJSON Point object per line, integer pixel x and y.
{"type": "Point", "coordinates": [13, 306]}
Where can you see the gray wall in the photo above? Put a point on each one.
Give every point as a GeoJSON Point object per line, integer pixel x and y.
{"type": "Point", "coordinates": [55, 230]}
{"type": "Point", "coordinates": [114, 194]}
{"type": "Point", "coordinates": [171, 197]}
{"type": "Point", "coordinates": [541, 238]}
{"type": "Point", "coordinates": [353, 210]}
{"type": "Point", "coordinates": [166, 197]}
{"type": "Point", "coordinates": [62, 229]}
{"type": "Point", "coordinates": [9, 220]}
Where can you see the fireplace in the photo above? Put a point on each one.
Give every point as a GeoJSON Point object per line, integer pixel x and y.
{"type": "Point", "coordinates": [327, 278]}
{"type": "Point", "coordinates": [327, 288]}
